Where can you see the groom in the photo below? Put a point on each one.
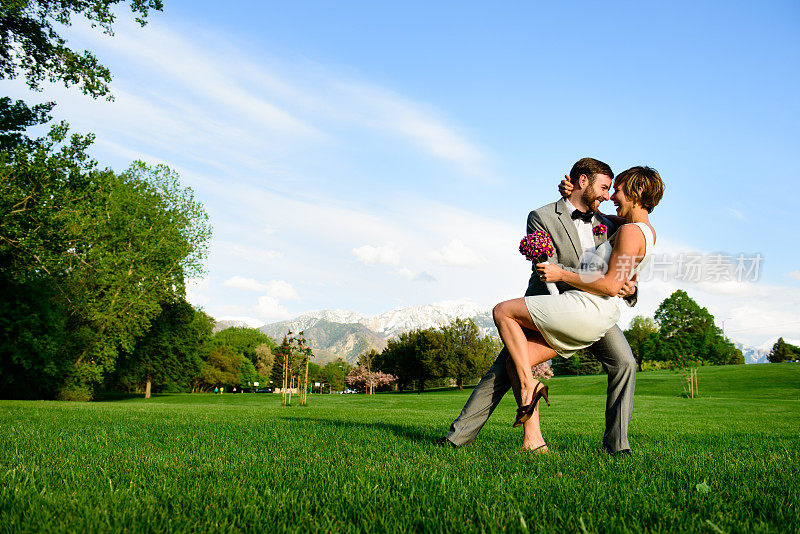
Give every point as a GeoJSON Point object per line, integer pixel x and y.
{"type": "Point", "coordinates": [576, 228]}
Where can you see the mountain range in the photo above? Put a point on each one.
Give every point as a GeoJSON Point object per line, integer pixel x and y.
{"type": "Point", "coordinates": [759, 354]}
{"type": "Point", "coordinates": [347, 334]}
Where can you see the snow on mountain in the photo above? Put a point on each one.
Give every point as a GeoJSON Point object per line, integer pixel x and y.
{"type": "Point", "coordinates": [333, 316]}
{"type": "Point", "coordinates": [395, 322]}
{"type": "Point", "coordinates": [768, 344]}
{"type": "Point", "coordinates": [753, 354]}
{"type": "Point", "coordinates": [244, 322]}
{"type": "Point", "coordinates": [759, 354]}
{"type": "Point", "coordinates": [391, 323]}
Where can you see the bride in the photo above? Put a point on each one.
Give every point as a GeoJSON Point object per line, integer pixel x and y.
{"type": "Point", "coordinates": [536, 328]}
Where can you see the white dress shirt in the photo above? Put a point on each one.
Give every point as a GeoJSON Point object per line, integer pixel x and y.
{"type": "Point", "coordinates": [584, 232]}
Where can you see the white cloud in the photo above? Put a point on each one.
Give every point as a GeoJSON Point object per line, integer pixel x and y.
{"type": "Point", "coordinates": [370, 255]}
{"type": "Point", "coordinates": [209, 94]}
{"type": "Point", "coordinates": [196, 291]}
{"type": "Point", "coordinates": [270, 309]}
{"type": "Point", "coordinates": [279, 289]}
{"type": "Point", "coordinates": [422, 276]}
{"type": "Point", "coordinates": [246, 284]}
{"type": "Point", "coordinates": [729, 287]}
{"type": "Point", "coordinates": [405, 272]}
{"type": "Point", "coordinates": [458, 254]}
{"type": "Point", "coordinates": [794, 275]}
{"type": "Point", "coordinates": [736, 214]}
{"type": "Point", "coordinates": [382, 109]}
{"type": "Point", "coordinates": [252, 254]}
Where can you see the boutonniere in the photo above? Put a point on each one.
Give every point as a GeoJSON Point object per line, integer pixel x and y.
{"type": "Point", "coordinates": [600, 229]}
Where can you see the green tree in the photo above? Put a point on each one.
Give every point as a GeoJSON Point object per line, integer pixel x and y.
{"type": "Point", "coordinates": [34, 340]}
{"type": "Point", "coordinates": [244, 341]}
{"type": "Point", "coordinates": [783, 352]}
{"type": "Point", "coordinates": [315, 372]}
{"type": "Point", "coordinates": [687, 332]}
{"type": "Point", "coordinates": [224, 367]}
{"type": "Point", "coordinates": [30, 43]}
{"type": "Point", "coordinates": [168, 355]}
{"type": "Point", "coordinates": [17, 117]}
{"type": "Point", "coordinates": [112, 246]}
{"type": "Point", "coordinates": [335, 372]}
{"type": "Point", "coordinates": [415, 358]}
{"type": "Point", "coordinates": [641, 336]}
{"type": "Point", "coordinates": [580, 363]}
{"type": "Point", "coordinates": [463, 354]}
{"type": "Point", "coordinates": [264, 361]}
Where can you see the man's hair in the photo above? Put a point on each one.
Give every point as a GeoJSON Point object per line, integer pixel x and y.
{"type": "Point", "coordinates": [642, 185]}
{"type": "Point", "coordinates": [590, 167]}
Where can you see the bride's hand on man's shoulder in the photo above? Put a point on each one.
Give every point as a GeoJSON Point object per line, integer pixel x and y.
{"type": "Point", "coordinates": [565, 187]}
{"type": "Point", "coordinates": [549, 272]}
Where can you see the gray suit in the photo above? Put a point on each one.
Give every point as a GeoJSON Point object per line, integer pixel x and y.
{"type": "Point", "coordinates": [612, 350]}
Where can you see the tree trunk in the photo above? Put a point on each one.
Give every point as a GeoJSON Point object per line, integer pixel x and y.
{"type": "Point", "coordinates": [147, 388]}
{"type": "Point", "coordinates": [305, 386]}
{"type": "Point", "coordinates": [460, 383]}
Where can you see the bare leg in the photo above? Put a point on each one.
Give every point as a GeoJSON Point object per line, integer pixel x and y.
{"type": "Point", "coordinates": [538, 351]}
{"type": "Point", "coordinates": [511, 317]}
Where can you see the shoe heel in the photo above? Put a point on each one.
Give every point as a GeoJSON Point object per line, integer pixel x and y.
{"type": "Point", "coordinates": [544, 394]}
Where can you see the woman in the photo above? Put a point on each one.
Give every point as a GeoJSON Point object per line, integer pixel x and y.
{"type": "Point", "coordinates": [536, 328]}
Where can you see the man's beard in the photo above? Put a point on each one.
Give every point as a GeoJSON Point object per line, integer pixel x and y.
{"type": "Point", "coordinates": [589, 197]}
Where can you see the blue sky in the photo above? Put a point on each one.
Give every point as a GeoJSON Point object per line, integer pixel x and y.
{"type": "Point", "coordinates": [367, 156]}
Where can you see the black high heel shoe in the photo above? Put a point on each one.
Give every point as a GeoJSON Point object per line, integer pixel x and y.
{"type": "Point", "coordinates": [525, 412]}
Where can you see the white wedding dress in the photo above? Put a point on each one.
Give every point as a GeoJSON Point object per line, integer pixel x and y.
{"type": "Point", "coordinates": [574, 320]}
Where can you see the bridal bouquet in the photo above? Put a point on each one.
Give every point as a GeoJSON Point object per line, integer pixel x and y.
{"type": "Point", "coordinates": [537, 246]}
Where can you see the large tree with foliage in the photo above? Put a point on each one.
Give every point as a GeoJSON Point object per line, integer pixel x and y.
{"type": "Point", "coordinates": [168, 355]}
{"type": "Point", "coordinates": [783, 352]}
{"type": "Point", "coordinates": [465, 353]}
{"type": "Point", "coordinates": [246, 341]}
{"type": "Point", "coordinates": [30, 43]}
{"type": "Point", "coordinates": [335, 372]}
{"type": "Point", "coordinates": [415, 358]}
{"type": "Point", "coordinates": [31, 46]}
{"type": "Point", "coordinates": [642, 336]}
{"type": "Point", "coordinates": [687, 331]}
{"type": "Point", "coordinates": [224, 368]}
{"type": "Point", "coordinates": [110, 247]}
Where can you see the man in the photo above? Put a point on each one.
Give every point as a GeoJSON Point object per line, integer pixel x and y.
{"type": "Point", "coordinates": [571, 222]}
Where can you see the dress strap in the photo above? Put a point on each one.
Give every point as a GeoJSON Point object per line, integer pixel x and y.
{"type": "Point", "coordinates": [649, 238]}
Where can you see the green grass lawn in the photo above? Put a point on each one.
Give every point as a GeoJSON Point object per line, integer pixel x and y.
{"type": "Point", "coordinates": [350, 463]}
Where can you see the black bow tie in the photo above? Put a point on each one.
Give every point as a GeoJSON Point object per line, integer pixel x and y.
{"type": "Point", "coordinates": [585, 217]}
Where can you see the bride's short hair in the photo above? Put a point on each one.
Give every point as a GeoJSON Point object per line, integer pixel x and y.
{"type": "Point", "coordinates": [642, 185]}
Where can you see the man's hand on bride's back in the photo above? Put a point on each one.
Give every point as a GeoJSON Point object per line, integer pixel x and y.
{"type": "Point", "coordinates": [565, 187]}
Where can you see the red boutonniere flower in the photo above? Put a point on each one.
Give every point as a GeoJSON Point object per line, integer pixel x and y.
{"type": "Point", "coordinates": [600, 229]}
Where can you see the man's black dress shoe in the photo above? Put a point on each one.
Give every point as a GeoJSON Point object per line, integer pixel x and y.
{"type": "Point", "coordinates": [444, 442]}
{"type": "Point", "coordinates": [621, 452]}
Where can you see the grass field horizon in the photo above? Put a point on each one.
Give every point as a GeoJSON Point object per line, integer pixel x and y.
{"type": "Point", "coordinates": [724, 462]}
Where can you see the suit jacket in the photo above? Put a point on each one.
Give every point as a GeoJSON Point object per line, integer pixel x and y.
{"type": "Point", "coordinates": [556, 220]}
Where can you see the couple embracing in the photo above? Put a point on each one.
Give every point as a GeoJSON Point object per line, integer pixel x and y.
{"type": "Point", "coordinates": [596, 260]}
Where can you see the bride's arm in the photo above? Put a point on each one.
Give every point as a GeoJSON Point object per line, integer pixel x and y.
{"type": "Point", "coordinates": [628, 250]}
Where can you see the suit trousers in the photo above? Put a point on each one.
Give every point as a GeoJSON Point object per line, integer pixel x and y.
{"type": "Point", "coordinates": [613, 352]}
